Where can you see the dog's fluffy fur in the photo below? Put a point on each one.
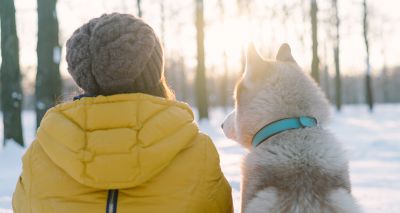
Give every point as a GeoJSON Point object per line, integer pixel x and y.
{"type": "Point", "coordinates": [301, 170]}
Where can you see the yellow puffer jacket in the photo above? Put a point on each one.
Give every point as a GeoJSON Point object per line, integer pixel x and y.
{"type": "Point", "coordinates": [128, 152]}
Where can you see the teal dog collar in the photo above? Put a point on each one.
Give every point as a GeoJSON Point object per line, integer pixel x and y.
{"type": "Point", "coordinates": [282, 125]}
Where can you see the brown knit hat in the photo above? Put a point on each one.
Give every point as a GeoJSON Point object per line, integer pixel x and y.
{"type": "Point", "coordinates": [115, 53]}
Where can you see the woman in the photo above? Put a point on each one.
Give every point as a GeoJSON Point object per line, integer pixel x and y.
{"type": "Point", "coordinates": [125, 145]}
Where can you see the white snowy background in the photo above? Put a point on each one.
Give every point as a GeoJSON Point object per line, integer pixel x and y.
{"type": "Point", "coordinates": [371, 140]}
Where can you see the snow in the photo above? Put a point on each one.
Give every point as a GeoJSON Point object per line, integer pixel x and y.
{"type": "Point", "coordinates": [40, 105]}
{"type": "Point", "coordinates": [16, 95]}
{"type": "Point", "coordinates": [10, 160]}
{"type": "Point", "coordinates": [56, 54]}
{"type": "Point", "coordinates": [372, 142]}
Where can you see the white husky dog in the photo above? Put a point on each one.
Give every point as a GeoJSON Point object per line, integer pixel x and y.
{"type": "Point", "coordinates": [294, 164]}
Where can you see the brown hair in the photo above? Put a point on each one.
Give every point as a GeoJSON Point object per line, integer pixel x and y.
{"type": "Point", "coordinates": [161, 90]}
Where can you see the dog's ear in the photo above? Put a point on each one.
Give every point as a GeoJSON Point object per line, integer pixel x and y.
{"type": "Point", "coordinates": [285, 54]}
{"type": "Point", "coordinates": [255, 64]}
{"type": "Point", "coordinates": [252, 55]}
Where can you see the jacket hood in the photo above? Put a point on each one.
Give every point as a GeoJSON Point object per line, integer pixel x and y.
{"type": "Point", "coordinates": [118, 141]}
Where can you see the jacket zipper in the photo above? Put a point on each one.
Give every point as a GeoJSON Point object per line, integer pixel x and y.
{"type": "Point", "coordinates": [112, 201]}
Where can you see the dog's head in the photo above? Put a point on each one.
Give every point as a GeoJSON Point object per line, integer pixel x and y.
{"type": "Point", "coordinates": [272, 90]}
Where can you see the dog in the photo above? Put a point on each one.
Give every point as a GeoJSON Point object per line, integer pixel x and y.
{"type": "Point", "coordinates": [289, 169]}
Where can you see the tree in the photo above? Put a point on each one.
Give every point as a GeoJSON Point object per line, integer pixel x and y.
{"type": "Point", "coordinates": [385, 83]}
{"type": "Point", "coordinates": [183, 83]}
{"type": "Point", "coordinates": [385, 27]}
{"type": "Point", "coordinates": [336, 54]}
{"type": "Point", "coordinates": [384, 76]}
{"type": "Point", "coordinates": [243, 10]}
{"type": "Point", "coordinates": [201, 90]}
{"type": "Point", "coordinates": [48, 79]}
{"type": "Point", "coordinates": [11, 97]}
{"type": "Point", "coordinates": [314, 23]}
{"type": "Point", "coordinates": [368, 80]}
{"type": "Point", "coordinates": [138, 3]}
{"type": "Point", "coordinates": [162, 23]}
{"type": "Point", "coordinates": [325, 84]}
{"type": "Point", "coordinates": [224, 84]}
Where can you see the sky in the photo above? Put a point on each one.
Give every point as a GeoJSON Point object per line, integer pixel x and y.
{"type": "Point", "coordinates": [268, 27]}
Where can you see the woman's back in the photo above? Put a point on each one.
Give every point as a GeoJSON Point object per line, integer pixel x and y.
{"type": "Point", "coordinates": [128, 152]}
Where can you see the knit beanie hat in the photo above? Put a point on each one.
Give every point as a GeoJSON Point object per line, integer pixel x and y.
{"type": "Point", "coordinates": [115, 53]}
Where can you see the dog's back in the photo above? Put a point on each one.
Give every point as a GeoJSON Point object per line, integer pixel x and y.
{"type": "Point", "coordinates": [300, 171]}
{"type": "Point", "coordinates": [271, 201]}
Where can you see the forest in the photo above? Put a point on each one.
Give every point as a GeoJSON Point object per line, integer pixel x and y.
{"type": "Point", "coordinates": [347, 47]}
{"type": "Point", "coordinates": [350, 48]}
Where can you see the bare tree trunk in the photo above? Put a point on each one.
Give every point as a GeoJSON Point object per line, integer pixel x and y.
{"type": "Point", "coordinates": [244, 6]}
{"type": "Point", "coordinates": [368, 79]}
{"type": "Point", "coordinates": [48, 79]}
{"type": "Point", "coordinates": [326, 79]}
{"type": "Point", "coordinates": [139, 8]}
{"type": "Point", "coordinates": [182, 83]}
{"type": "Point", "coordinates": [314, 23]}
{"type": "Point", "coordinates": [11, 92]}
{"type": "Point", "coordinates": [224, 85]}
{"type": "Point", "coordinates": [338, 81]}
{"type": "Point", "coordinates": [385, 83]}
{"type": "Point", "coordinates": [201, 90]}
{"type": "Point", "coordinates": [162, 14]}
{"type": "Point", "coordinates": [325, 84]}
{"type": "Point", "coordinates": [336, 53]}
{"type": "Point", "coordinates": [243, 10]}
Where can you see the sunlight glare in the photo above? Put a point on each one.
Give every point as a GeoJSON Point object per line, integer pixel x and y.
{"type": "Point", "coordinates": [231, 36]}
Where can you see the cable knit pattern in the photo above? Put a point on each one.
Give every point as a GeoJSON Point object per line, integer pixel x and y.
{"type": "Point", "coordinates": [116, 53]}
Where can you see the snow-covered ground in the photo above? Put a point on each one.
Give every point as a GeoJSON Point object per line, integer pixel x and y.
{"type": "Point", "coordinates": [372, 142]}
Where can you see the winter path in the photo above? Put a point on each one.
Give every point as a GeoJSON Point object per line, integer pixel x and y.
{"type": "Point", "coordinates": [372, 142]}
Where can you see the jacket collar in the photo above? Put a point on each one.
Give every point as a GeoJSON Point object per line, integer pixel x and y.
{"type": "Point", "coordinates": [82, 96]}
